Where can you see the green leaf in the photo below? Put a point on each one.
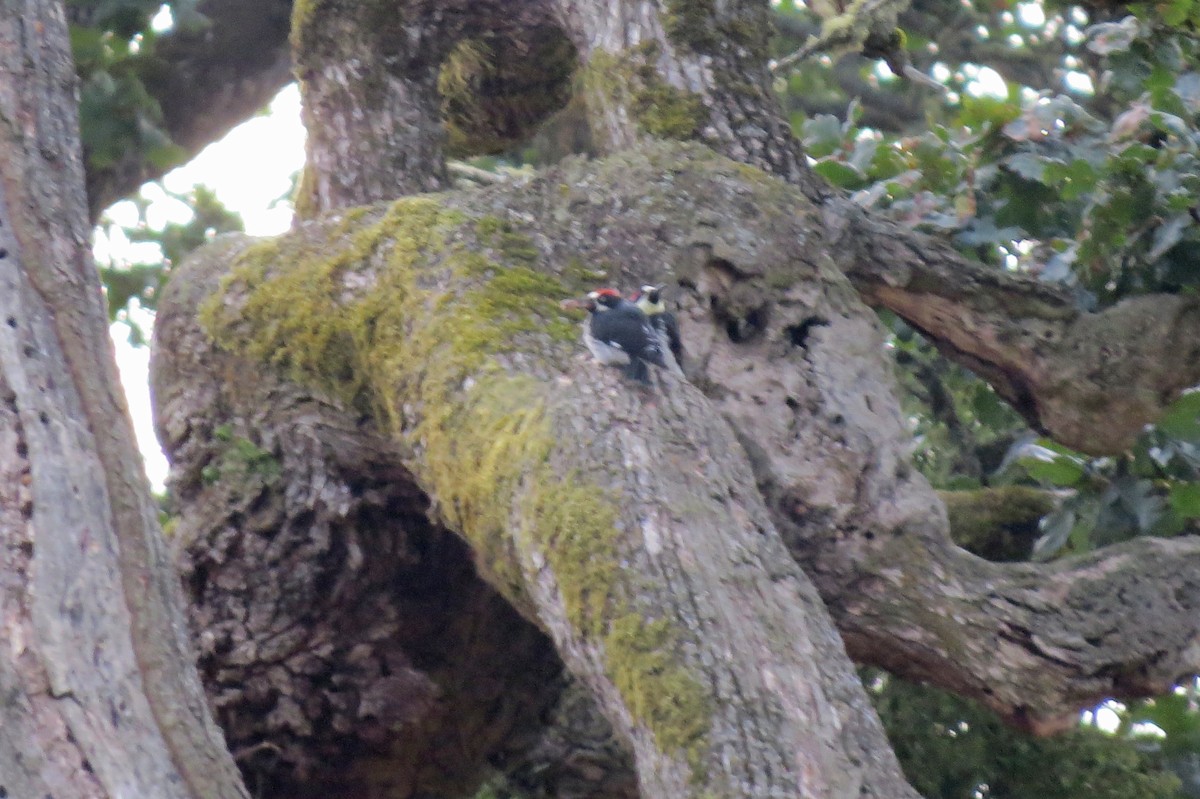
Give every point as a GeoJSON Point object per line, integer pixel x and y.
{"type": "Point", "coordinates": [1182, 419]}
{"type": "Point", "coordinates": [988, 408]}
{"type": "Point", "coordinates": [1185, 500]}
{"type": "Point", "coordinates": [1056, 529]}
{"type": "Point", "coordinates": [1028, 165]}
{"type": "Point", "coordinates": [1176, 12]}
{"type": "Point", "coordinates": [840, 174]}
{"type": "Point", "coordinates": [821, 135]}
{"type": "Point", "coordinates": [1048, 463]}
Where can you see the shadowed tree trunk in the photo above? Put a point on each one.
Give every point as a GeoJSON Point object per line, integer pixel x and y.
{"type": "Point", "coordinates": [101, 699]}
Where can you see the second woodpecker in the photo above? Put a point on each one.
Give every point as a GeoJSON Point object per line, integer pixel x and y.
{"type": "Point", "coordinates": [649, 300]}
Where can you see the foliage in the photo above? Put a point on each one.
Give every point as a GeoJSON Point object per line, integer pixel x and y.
{"type": "Point", "coordinates": [954, 749]}
{"type": "Point", "coordinates": [139, 282]}
{"type": "Point", "coordinates": [1091, 189]}
{"type": "Point", "coordinates": [113, 42]}
{"type": "Point", "coordinates": [1066, 148]}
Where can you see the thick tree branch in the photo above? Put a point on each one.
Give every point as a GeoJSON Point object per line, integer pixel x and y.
{"type": "Point", "coordinates": [1062, 369]}
{"type": "Point", "coordinates": [623, 521]}
{"type": "Point", "coordinates": [357, 632]}
{"type": "Point", "coordinates": [207, 80]}
{"type": "Point", "coordinates": [1121, 622]}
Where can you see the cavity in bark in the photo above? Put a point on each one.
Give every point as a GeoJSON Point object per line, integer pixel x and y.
{"type": "Point", "coordinates": [798, 334]}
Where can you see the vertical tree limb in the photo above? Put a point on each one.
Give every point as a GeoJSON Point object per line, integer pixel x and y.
{"type": "Point", "coordinates": [100, 612]}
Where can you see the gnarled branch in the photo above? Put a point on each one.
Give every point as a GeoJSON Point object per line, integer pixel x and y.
{"type": "Point", "coordinates": [207, 80]}
{"type": "Point", "coordinates": [1089, 380]}
{"type": "Point", "coordinates": [623, 522]}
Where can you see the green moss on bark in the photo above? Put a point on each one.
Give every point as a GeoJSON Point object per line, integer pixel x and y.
{"type": "Point", "coordinates": [495, 95]}
{"type": "Point", "coordinates": [690, 24]}
{"type": "Point", "coordinates": [408, 312]}
{"type": "Point", "coordinates": [659, 693]}
{"type": "Point", "coordinates": [669, 113]}
{"type": "Point", "coordinates": [658, 108]}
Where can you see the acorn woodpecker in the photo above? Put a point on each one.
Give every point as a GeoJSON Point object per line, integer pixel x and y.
{"type": "Point", "coordinates": [649, 300]}
{"type": "Point", "coordinates": [619, 334]}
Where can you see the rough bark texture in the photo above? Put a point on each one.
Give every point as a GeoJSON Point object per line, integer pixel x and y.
{"type": "Point", "coordinates": [1060, 368]}
{"type": "Point", "coordinates": [347, 644]}
{"type": "Point", "coordinates": [632, 531]}
{"type": "Point", "coordinates": [104, 700]}
{"type": "Point", "coordinates": [437, 321]}
{"type": "Point", "coordinates": [368, 78]}
{"type": "Point", "coordinates": [691, 71]}
{"type": "Point", "coordinates": [372, 80]}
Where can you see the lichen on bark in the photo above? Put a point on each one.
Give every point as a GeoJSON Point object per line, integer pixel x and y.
{"type": "Point", "coordinates": [438, 317]}
{"type": "Point", "coordinates": [393, 310]}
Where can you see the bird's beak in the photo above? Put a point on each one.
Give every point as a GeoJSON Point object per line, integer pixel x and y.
{"type": "Point", "coordinates": [573, 304]}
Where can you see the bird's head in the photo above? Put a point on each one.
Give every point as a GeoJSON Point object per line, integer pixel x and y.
{"type": "Point", "coordinates": [649, 299]}
{"type": "Point", "coordinates": [598, 300]}
{"type": "Point", "coordinates": [652, 294]}
{"type": "Point", "coordinates": [603, 299]}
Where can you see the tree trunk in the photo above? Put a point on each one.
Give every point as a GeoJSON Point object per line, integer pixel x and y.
{"type": "Point", "coordinates": [626, 524]}
{"type": "Point", "coordinates": [641, 531]}
{"type": "Point", "coordinates": [101, 696]}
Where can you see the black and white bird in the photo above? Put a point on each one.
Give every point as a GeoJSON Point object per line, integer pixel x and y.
{"type": "Point", "coordinates": [619, 334]}
{"type": "Point", "coordinates": [649, 300]}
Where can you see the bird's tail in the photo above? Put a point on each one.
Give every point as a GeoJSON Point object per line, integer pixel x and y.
{"type": "Point", "coordinates": [636, 370]}
{"type": "Point", "coordinates": [655, 354]}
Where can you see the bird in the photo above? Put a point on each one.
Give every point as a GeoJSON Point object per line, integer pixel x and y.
{"type": "Point", "coordinates": [649, 300]}
{"type": "Point", "coordinates": [618, 333]}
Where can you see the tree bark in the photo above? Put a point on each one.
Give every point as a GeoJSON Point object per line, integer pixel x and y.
{"type": "Point", "coordinates": [689, 71]}
{"type": "Point", "coordinates": [346, 641]}
{"type": "Point", "coordinates": [437, 320]}
{"type": "Point", "coordinates": [633, 533]}
{"type": "Point", "coordinates": [102, 695]}
{"type": "Point", "coordinates": [1091, 381]}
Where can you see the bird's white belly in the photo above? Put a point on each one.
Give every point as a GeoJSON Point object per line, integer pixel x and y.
{"type": "Point", "coordinates": [606, 354]}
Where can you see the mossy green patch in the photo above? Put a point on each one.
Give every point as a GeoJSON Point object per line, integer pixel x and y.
{"type": "Point", "coordinates": [500, 235]}
{"type": "Point", "coordinates": [410, 312]}
{"type": "Point", "coordinates": [439, 303]}
{"type": "Point", "coordinates": [632, 80]}
{"type": "Point", "coordinates": [576, 526]}
{"type": "Point", "coordinates": [657, 690]}
{"type": "Point", "coordinates": [691, 24]}
{"type": "Point", "coordinates": [669, 113]}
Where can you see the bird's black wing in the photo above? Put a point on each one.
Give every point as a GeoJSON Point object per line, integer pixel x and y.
{"type": "Point", "coordinates": [628, 328]}
{"type": "Point", "coordinates": [665, 322]}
